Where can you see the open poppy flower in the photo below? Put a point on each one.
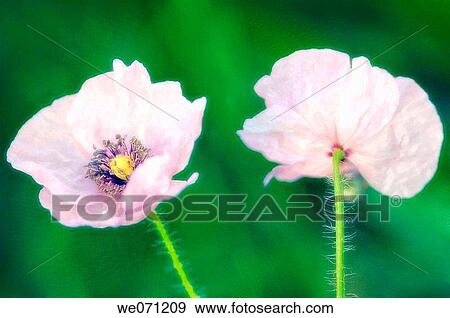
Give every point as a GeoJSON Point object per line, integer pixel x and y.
{"type": "Point", "coordinates": [119, 136]}
{"type": "Point", "coordinates": [321, 100]}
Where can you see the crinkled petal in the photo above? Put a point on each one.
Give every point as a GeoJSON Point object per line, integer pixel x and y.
{"type": "Point", "coordinates": [369, 99]}
{"type": "Point", "coordinates": [67, 211]}
{"type": "Point", "coordinates": [152, 180]}
{"type": "Point", "coordinates": [309, 82]}
{"type": "Point", "coordinates": [315, 166]}
{"type": "Point", "coordinates": [403, 157]}
{"type": "Point", "coordinates": [285, 140]}
{"type": "Point", "coordinates": [176, 137]}
{"type": "Point", "coordinates": [104, 105]}
{"type": "Point", "coordinates": [151, 177]}
{"type": "Point", "coordinates": [125, 102]}
{"type": "Point", "coordinates": [287, 173]}
{"type": "Point", "coordinates": [46, 149]}
{"type": "Point", "coordinates": [299, 77]}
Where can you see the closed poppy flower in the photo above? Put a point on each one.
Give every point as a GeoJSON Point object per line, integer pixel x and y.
{"type": "Point", "coordinates": [318, 101]}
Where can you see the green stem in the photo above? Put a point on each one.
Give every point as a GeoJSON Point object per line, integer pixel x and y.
{"type": "Point", "coordinates": [338, 155]}
{"type": "Point", "coordinates": [176, 263]}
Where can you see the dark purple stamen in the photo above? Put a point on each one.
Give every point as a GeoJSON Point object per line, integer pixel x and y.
{"type": "Point", "coordinates": [99, 170]}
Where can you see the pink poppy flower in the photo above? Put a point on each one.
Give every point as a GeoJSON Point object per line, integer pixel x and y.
{"type": "Point", "coordinates": [109, 139]}
{"type": "Point", "coordinates": [317, 100]}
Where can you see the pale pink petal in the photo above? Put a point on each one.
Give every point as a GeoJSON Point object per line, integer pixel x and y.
{"type": "Point", "coordinates": [369, 98]}
{"type": "Point", "coordinates": [317, 165]}
{"type": "Point", "coordinates": [152, 177]}
{"type": "Point", "coordinates": [105, 104]}
{"type": "Point", "coordinates": [157, 114]}
{"type": "Point", "coordinates": [154, 180]}
{"type": "Point", "coordinates": [285, 140]}
{"type": "Point", "coordinates": [290, 140]}
{"type": "Point", "coordinates": [308, 82]}
{"type": "Point", "coordinates": [300, 76]}
{"type": "Point", "coordinates": [135, 76]}
{"type": "Point", "coordinates": [287, 173]}
{"type": "Point", "coordinates": [45, 149]}
{"type": "Point", "coordinates": [73, 218]}
{"type": "Point", "coordinates": [401, 159]}
{"type": "Point", "coordinates": [176, 137]}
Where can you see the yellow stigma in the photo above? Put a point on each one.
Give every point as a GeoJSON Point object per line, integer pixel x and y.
{"type": "Point", "coordinates": [122, 166]}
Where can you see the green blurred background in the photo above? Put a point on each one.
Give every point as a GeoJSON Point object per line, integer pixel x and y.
{"type": "Point", "coordinates": [217, 49]}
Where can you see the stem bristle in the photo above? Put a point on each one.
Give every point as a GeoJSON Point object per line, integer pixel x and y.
{"type": "Point", "coordinates": [169, 244]}
{"type": "Point", "coordinates": [337, 216]}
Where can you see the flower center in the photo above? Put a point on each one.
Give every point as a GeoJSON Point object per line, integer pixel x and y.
{"type": "Point", "coordinates": [345, 152]}
{"type": "Point", "coordinates": [112, 166]}
{"type": "Point", "coordinates": [122, 166]}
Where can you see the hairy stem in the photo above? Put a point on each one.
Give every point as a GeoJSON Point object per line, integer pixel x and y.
{"type": "Point", "coordinates": [338, 155]}
{"type": "Point", "coordinates": [176, 263]}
